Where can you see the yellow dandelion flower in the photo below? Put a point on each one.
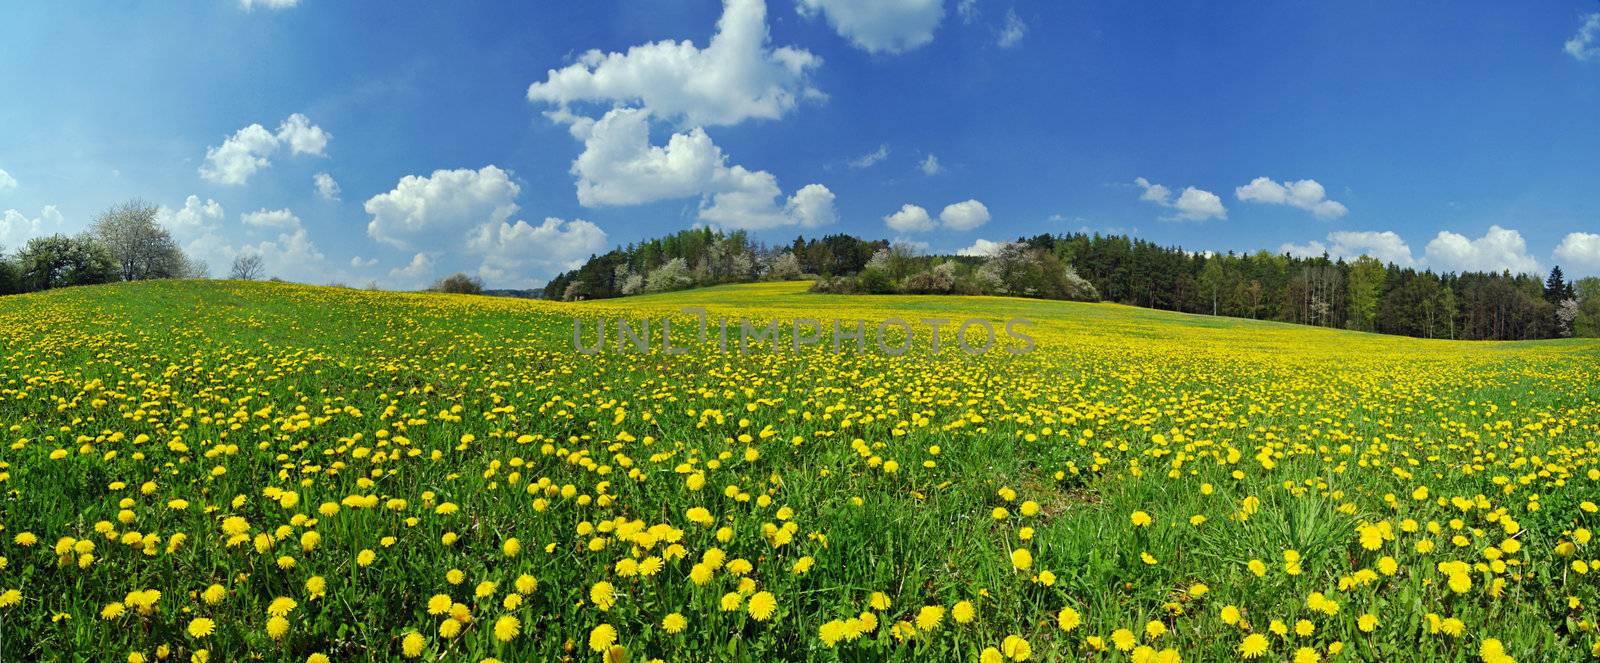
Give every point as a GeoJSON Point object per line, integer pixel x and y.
{"type": "Point", "coordinates": [277, 627]}
{"type": "Point", "coordinates": [880, 601]}
{"type": "Point", "coordinates": [762, 605]}
{"type": "Point", "coordinates": [1016, 648]}
{"type": "Point", "coordinates": [602, 637]}
{"type": "Point", "coordinates": [1021, 559]}
{"type": "Point", "coordinates": [281, 606]}
{"type": "Point", "coordinates": [1254, 645]}
{"type": "Point", "coordinates": [506, 628]}
{"type": "Point", "coordinates": [439, 604]}
{"type": "Point", "coordinates": [1068, 619]}
{"type": "Point", "coordinates": [1154, 629]}
{"type": "Point", "coordinates": [412, 644]}
{"type": "Point", "coordinates": [1124, 639]}
{"type": "Point", "coordinates": [449, 628]}
{"type": "Point", "coordinates": [201, 627]}
{"type": "Point", "coordinates": [963, 612]}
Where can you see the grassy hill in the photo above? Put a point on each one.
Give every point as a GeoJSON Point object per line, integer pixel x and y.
{"type": "Point", "coordinates": [276, 309]}
{"type": "Point", "coordinates": [283, 471]}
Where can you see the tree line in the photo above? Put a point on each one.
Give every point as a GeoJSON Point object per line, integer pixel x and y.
{"type": "Point", "coordinates": [702, 257]}
{"type": "Point", "coordinates": [1363, 294]}
{"type": "Point", "coordinates": [1015, 269]}
{"type": "Point", "coordinates": [836, 263]}
{"type": "Point", "coordinates": [127, 243]}
{"type": "Point", "coordinates": [124, 243]}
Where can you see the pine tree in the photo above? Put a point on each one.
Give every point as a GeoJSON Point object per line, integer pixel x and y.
{"type": "Point", "coordinates": [1556, 288]}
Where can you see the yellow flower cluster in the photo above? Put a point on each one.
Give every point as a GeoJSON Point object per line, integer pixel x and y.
{"type": "Point", "coordinates": [201, 471]}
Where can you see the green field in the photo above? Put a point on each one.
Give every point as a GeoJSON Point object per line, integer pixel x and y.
{"type": "Point", "coordinates": [283, 473]}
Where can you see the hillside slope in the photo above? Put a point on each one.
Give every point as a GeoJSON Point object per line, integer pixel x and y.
{"type": "Point", "coordinates": [256, 468]}
{"type": "Point", "coordinates": [269, 310]}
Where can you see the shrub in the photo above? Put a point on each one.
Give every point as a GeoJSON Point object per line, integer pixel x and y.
{"type": "Point", "coordinates": [671, 275]}
{"type": "Point", "coordinates": [940, 280]}
{"type": "Point", "coordinates": [458, 284]}
{"type": "Point", "coordinates": [785, 267]}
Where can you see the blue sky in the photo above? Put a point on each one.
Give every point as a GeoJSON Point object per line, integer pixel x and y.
{"type": "Point", "coordinates": [481, 138]}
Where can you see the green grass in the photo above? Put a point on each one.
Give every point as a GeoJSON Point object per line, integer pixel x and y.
{"type": "Point", "coordinates": [435, 399]}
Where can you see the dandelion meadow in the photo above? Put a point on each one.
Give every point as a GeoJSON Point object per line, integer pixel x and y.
{"type": "Point", "coordinates": [228, 471]}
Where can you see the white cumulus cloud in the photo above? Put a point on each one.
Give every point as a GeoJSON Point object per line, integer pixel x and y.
{"type": "Point", "coordinates": [1308, 195]}
{"type": "Point", "coordinates": [1153, 193]}
{"type": "Point", "coordinates": [1198, 205]}
{"type": "Point", "coordinates": [302, 136]}
{"type": "Point", "coordinates": [965, 215]}
{"type": "Point", "coordinates": [447, 205]}
{"type": "Point", "coordinates": [736, 77]}
{"type": "Point", "coordinates": [248, 149]}
{"type": "Point", "coordinates": [1580, 252]}
{"type": "Point", "coordinates": [1385, 246]}
{"type": "Point", "coordinates": [6, 180]}
{"type": "Point", "coordinates": [276, 236]}
{"type": "Point", "coordinates": [1191, 205]}
{"type": "Point", "coordinates": [513, 251]}
{"type": "Point", "coordinates": [1585, 45]}
{"type": "Point", "coordinates": [291, 255]}
{"type": "Point", "coordinates": [281, 219]}
{"type": "Point", "coordinates": [744, 199]}
{"type": "Point", "coordinates": [1499, 249]}
{"type": "Point", "coordinates": [447, 200]}
{"type": "Point", "coordinates": [17, 228]}
{"type": "Point", "coordinates": [619, 166]}
{"type": "Point", "coordinates": [240, 156]}
{"type": "Point", "coordinates": [879, 26]}
{"type": "Point", "coordinates": [414, 275]}
{"type": "Point", "coordinates": [930, 166]}
{"type": "Point", "coordinates": [982, 248]}
{"type": "Point", "coordinates": [749, 199]}
{"type": "Point", "coordinates": [909, 219]}
{"type": "Point", "coordinates": [197, 226]}
{"type": "Point", "coordinates": [327, 187]}
{"type": "Point", "coordinates": [192, 219]}
{"type": "Point", "coordinates": [811, 207]}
